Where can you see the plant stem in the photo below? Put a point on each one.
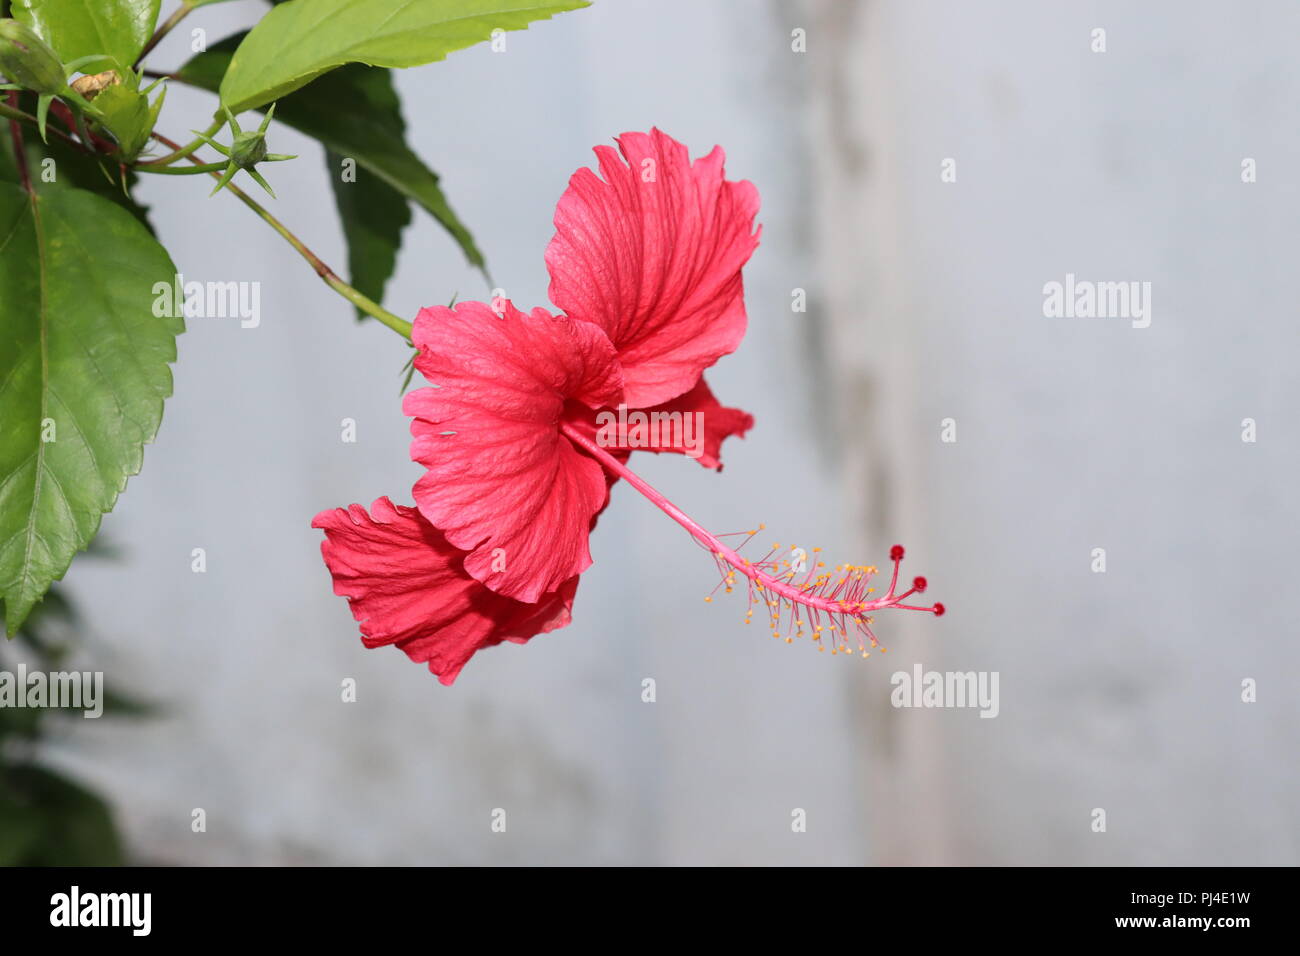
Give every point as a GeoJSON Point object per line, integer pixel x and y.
{"type": "Point", "coordinates": [370, 307]}
{"type": "Point", "coordinates": [328, 276]}
{"type": "Point", "coordinates": [20, 150]}
{"type": "Point", "coordinates": [19, 116]}
{"type": "Point", "coordinates": [181, 152]}
{"type": "Point", "coordinates": [181, 170]}
{"type": "Point", "coordinates": [180, 14]}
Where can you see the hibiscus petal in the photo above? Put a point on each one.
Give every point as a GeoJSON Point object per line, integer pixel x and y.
{"type": "Point", "coordinates": [652, 254]}
{"type": "Point", "coordinates": [714, 425]}
{"type": "Point", "coordinates": [502, 483]}
{"type": "Point", "coordinates": [405, 586]}
{"type": "Point", "coordinates": [694, 424]}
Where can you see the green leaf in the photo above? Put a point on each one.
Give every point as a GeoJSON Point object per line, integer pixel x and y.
{"type": "Point", "coordinates": [71, 168]}
{"type": "Point", "coordinates": [20, 828]}
{"type": "Point", "coordinates": [71, 825]}
{"type": "Point", "coordinates": [296, 42]}
{"type": "Point", "coordinates": [374, 215]}
{"type": "Point", "coordinates": [83, 353]}
{"type": "Point", "coordinates": [355, 113]}
{"type": "Point", "coordinates": [118, 29]}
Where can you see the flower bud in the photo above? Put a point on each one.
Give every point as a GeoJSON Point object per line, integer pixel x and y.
{"type": "Point", "coordinates": [248, 149]}
{"type": "Point", "coordinates": [28, 60]}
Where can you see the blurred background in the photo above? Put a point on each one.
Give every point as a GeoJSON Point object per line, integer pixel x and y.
{"type": "Point", "coordinates": [1119, 691]}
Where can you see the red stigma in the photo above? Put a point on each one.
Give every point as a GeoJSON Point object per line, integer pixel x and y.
{"type": "Point", "coordinates": [896, 553]}
{"type": "Point", "coordinates": [918, 584]}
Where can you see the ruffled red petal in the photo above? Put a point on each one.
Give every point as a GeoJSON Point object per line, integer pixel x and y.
{"type": "Point", "coordinates": [652, 254]}
{"type": "Point", "coordinates": [501, 482]}
{"type": "Point", "coordinates": [406, 586]}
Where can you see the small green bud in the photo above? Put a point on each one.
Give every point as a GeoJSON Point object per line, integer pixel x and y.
{"type": "Point", "coordinates": [28, 60]}
{"type": "Point", "coordinates": [248, 149]}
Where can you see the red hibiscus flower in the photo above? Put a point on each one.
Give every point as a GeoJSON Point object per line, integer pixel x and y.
{"type": "Point", "coordinates": [529, 418]}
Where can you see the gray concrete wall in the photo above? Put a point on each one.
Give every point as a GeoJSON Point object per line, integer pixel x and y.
{"type": "Point", "coordinates": [1120, 690]}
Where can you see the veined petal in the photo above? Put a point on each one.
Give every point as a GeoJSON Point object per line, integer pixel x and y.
{"type": "Point", "coordinates": [652, 254]}
{"type": "Point", "coordinates": [695, 424]}
{"type": "Point", "coordinates": [711, 424]}
{"type": "Point", "coordinates": [406, 586]}
{"type": "Point", "coordinates": [502, 483]}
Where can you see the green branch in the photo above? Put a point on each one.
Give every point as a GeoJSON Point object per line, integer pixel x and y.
{"type": "Point", "coordinates": [183, 11]}
{"type": "Point", "coordinates": [328, 275]}
{"type": "Point", "coordinates": [181, 152]}
{"type": "Point", "coordinates": [180, 170]}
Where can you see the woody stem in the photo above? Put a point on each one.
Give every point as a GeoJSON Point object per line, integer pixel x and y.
{"type": "Point", "coordinates": [20, 151]}
{"type": "Point", "coordinates": [710, 541]}
{"type": "Point", "coordinates": [183, 11]}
